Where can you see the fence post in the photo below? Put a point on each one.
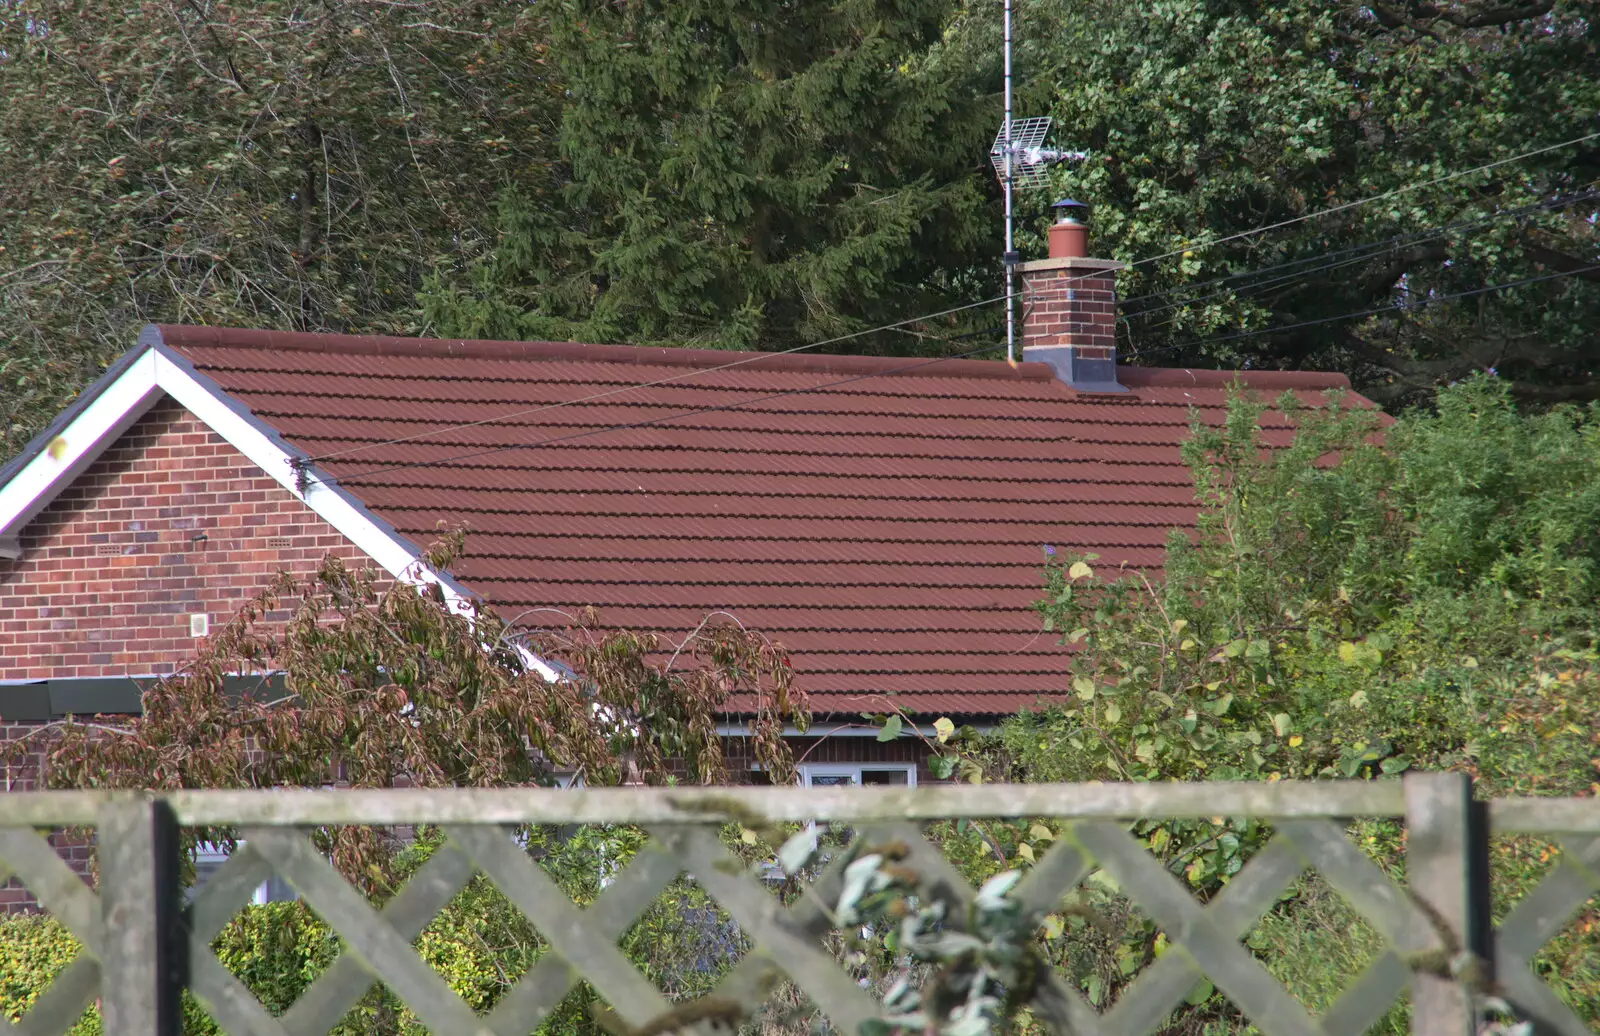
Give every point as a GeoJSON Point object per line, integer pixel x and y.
{"type": "Point", "coordinates": [1447, 856]}
{"type": "Point", "coordinates": [141, 963]}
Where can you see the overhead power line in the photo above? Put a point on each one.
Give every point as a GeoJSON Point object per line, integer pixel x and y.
{"type": "Point", "coordinates": [1258, 287]}
{"type": "Point", "coordinates": [695, 372]}
{"type": "Point", "coordinates": [1347, 206]}
{"type": "Point", "coordinates": [899, 324]}
{"type": "Point", "coordinates": [1357, 253]}
{"type": "Point", "coordinates": [1426, 302]}
{"type": "Point", "coordinates": [1255, 287]}
{"type": "Point", "coordinates": [767, 397]}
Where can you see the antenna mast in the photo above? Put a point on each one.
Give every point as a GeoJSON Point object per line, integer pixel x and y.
{"type": "Point", "coordinates": [1019, 161]}
{"type": "Point", "coordinates": [1009, 256]}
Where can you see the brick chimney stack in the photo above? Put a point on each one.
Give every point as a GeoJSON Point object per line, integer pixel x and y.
{"type": "Point", "coordinates": [1069, 306]}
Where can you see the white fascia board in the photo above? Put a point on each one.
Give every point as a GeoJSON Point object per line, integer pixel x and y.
{"type": "Point", "coordinates": [76, 446]}
{"type": "Point", "coordinates": [234, 422]}
{"type": "Point", "coordinates": [246, 435]}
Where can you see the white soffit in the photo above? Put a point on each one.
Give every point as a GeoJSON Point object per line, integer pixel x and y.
{"type": "Point", "coordinates": [131, 395]}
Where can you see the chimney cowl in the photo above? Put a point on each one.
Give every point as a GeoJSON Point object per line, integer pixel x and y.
{"type": "Point", "coordinates": [1069, 234]}
{"type": "Point", "coordinates": [1070, 211]}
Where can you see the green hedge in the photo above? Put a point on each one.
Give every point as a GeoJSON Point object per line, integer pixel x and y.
{"type": "Point", "coordinates": [479, 944]}
{"type": "Point", "coordinates": [32, 949]}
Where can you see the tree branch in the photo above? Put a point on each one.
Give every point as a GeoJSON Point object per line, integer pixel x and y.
{"type": "Point", "coordinates": [1382, 281]}
{"type": "Point", "coordinates": [1392, 19]}
{"type": "Point", "coordinates": [1560, 261]}
{"type": "Point", "coordinates": [1568, 393]}
{"type": "Point", "coordinates": [1465, 17]}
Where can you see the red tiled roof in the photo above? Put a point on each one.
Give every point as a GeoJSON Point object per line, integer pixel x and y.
{"type": "Point", "coordinates": [886, 524]}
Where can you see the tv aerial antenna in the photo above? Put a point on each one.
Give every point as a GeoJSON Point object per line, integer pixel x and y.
{"type": "Point", "coordinates": [1020, 159]}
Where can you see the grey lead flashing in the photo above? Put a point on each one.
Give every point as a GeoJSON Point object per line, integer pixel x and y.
{"type": "Point", "coordinates": [39, 701]}
{"type": "Point", "coordinates": [1076, 370]}
{"type": "Point", "coordinates": [95, 696]}
{"type": "Point", "coordinates": [25, 703]}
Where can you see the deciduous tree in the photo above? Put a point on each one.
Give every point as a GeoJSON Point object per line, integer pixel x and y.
{"type": "Point", "coordinates": [1208, 118]}
{"type": "Point", "coordinates": [264, 164]}
{"type": "Point", "coordinates": [384, 685]}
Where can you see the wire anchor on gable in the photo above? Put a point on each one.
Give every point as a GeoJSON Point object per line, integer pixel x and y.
{"type": "Point", "coordinates": [301, 467]}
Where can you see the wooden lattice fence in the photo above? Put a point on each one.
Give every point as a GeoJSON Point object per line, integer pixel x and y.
{"type": "Point", "coordinates": [142, 944]}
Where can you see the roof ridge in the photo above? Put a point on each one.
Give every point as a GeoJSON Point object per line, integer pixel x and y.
{"type": "Point", "coordinates": [194, 336]}
{"type": "Point", "coordinates": [1260, 381]}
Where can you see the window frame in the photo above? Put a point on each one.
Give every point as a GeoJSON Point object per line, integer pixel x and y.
{"type": "Point", "coordinates": [211, 852]}
{"type": "Point", "coordinates": [855, 772]}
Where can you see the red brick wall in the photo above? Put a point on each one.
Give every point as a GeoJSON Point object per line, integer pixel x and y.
{"type": "Point", "coordinates": [76, 850]}
{"type": "Point", "coordinates": [110, 572]}
{"type": "Point", "coordinates": [22, 774]}
{"type": "Point", "coordinates": [1065, 307]}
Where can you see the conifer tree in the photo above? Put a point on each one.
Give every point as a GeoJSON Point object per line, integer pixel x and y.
{"type": "Point", "coordinates": [742, 173]}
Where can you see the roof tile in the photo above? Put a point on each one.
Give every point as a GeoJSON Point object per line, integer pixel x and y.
{"type": "Point", "coordinates": [885, 524]}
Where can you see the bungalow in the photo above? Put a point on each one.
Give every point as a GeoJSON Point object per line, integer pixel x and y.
{"type": "Point", "coordinates": [883, 518]}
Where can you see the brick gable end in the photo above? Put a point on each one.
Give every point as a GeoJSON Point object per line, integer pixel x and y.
{"type": "Point", "coordinates": [169, 522]}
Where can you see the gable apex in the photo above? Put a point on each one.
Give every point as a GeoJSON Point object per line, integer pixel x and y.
{"type": "Point", "coordinates": [55, 457]}
{"type": "Point", "coordinates": [134, 384]}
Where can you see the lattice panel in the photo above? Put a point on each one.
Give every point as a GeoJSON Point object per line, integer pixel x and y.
{"type": "Point", "coordinates": [583, 942]}
{"type": "Point", "coordinates": [1537, 919]}
{"type": "Point", "coordinates": [788, 941]}
{"type": "Point", "coordinates": [24, 854]}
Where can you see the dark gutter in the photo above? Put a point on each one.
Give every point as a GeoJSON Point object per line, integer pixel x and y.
{"type": "Point", "coordinates": [40, 701]}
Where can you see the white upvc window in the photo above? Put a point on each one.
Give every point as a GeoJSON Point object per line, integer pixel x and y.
{"type": "Point", "coordinates": [208, 857]}
{"type": "Point", "coordinates": [832, 775]}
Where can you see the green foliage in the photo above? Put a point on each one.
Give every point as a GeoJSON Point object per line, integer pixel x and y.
{"type": "Point", "coordinates": [1430, 601]}
{"type": "Point", "coordinates": [277, 950]}
{"type": "Point", "coordinates": [1316, 948]}
{"type": "Point", "coordinates": [1207, 118]}
{"type": "Point", "coordinates": [33, 948]}
{"type": "Point", "coordinates": [761, 173]}
{"type": "Point", "coordinates": [958, 970]}
{"type": "Point", "coordinates": [479, 943]}
{"type": "Point", "coordinates": [742, 174]}
{"type": "Point", "coordinates": [261, 163]}
{"type": "Point", "coordinates": [1357, 600]}
{"type": "Point", "coordinates": [387, 686]}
